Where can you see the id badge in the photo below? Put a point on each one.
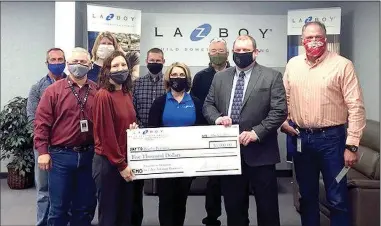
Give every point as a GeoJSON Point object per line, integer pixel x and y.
{"type": "Point", "coordinates": [84, 126]}
{"type": "Point", "coordinates": [345, 170]}
{"type": "Point", "coordinates": [342, 173]}
{"type": "Point", "coordinates": [298, 142]}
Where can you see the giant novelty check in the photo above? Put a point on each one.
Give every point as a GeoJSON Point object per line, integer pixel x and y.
{"type": "Point", "coordinates": [184, 151]}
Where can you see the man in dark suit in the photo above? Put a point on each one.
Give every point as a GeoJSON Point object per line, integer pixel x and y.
{"type": "Point", "coordinates": [252, 96]}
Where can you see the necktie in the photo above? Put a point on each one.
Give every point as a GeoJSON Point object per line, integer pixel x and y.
{"type": "Point", "coordinates": [237, 99]}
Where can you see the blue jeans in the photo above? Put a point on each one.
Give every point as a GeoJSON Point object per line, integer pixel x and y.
{"type": "Point", "coordinates": [41, 181]}
{"type": "Point", "coordinates": [322, 151]}
{"type": "Point", "coordinates": [71, 188]}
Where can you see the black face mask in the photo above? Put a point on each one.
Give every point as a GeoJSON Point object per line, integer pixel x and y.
{"type": "Point", "coordinates": [243, 60]}
{"type": "Point", "coordinates": [155, 68]}
{"type": "Point", "coordinates": [119, 77]}
{"type": "Point", "coordinates": [178, 84]}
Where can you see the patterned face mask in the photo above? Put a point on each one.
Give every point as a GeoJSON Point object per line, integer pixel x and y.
{"type": "Point", "coordinates": [315, 48]}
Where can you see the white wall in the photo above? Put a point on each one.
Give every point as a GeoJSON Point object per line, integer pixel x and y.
{"type": "Point", "coordinates": [361, 44]}
{"type": "Point", "coordinates": [27, 32]}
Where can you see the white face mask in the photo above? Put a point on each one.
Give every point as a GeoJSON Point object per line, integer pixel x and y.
{"type": "Point", "coordinates": [104, 51]}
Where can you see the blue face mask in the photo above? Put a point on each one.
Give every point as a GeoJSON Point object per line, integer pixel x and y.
{"type": "Point", "coordinates": [57, 69]}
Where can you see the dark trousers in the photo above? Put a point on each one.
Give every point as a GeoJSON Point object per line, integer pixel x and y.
{"type": "Point", "coordinates": [235, 189]}
{"type": "Point", "coordinates": [71, 187]}
{"type": "Point", "coordinates": [322, 152]}
{"type": "Point", "coordinates": [137, 208]}
{"type": "Point", "coordinates": [115, 195]}
{"type": "Point", "coordinates": [213, 202]}
{"type": "Point", "coordinates": [173, 195]}
{"type": "Point", "coordinates": [96, 177]}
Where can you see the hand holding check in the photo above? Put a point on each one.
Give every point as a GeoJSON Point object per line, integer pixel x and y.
{"type": "Point", "coordinates": [245, 137]}
{"type": "Point", "coordinates": [127, 173]}
{"type": "Point", "coordinates": [134, 126]}
{"type": "Point", "coordinates": [225, 121]}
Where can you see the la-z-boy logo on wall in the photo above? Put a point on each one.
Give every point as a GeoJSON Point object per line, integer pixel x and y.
{"type": "Point", "coordinates": [200, 32]}
{"type": "Point", "coordinates": [311, 19]}
{"type": "Point", "coordinates": [330, 17]}
{"type": "Point", "coordinates": [204, 30]}
{"type": "Point", "coordinates": [112, 16]}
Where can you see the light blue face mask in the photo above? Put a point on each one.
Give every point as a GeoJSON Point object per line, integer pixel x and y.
{"type": "Point", "coordinates": [78, 70]}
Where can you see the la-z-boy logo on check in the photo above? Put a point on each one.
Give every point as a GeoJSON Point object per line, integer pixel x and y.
{"type": "Point", "coordinates": [148, 134]}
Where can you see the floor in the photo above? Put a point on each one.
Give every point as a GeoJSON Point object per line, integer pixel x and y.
{"type": "Point", "coordinates": [18, 207]}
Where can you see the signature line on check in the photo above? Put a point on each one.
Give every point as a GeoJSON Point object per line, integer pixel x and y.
{"type": "Point", "coordinates": [203, 171]}
{"type": "Point", "coordinates": [142, 174]}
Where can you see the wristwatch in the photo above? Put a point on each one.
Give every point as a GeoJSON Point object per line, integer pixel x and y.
{"type": "Point", "coordinates": [352, 148]}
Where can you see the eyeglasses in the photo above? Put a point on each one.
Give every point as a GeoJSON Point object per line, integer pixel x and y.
{"type": "Point", "coordinates": [313, 37]}
{"type": "Point", "coordinates": [217, 51]}
{"type": "Point", "coordinates": [175, 75]}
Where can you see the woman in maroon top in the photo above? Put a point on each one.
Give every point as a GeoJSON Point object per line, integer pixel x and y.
{"type": "Point", "coordinates": [113, 114]}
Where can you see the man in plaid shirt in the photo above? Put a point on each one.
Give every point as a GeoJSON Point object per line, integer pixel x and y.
{"type": "Point", "coordinates": [146, 89]}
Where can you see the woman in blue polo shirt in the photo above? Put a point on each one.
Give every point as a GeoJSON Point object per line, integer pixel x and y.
{"type": "Point", "coordinates": [175, 108]}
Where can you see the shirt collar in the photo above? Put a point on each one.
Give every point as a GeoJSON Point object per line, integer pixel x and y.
{"type": "Point", "coordinates": [155, 78]}
{"type": "Point", "coordinates": [87, 83]}
{"type": "Point", "coordinates": [185, 98]}
{"type": "Point", "coordinates": [318, 60]}
{"type": "Point", "coordinates": [49, 79]}
{"type": "Point", "coordinates": [247, 71]}
{"type": "Point", "coordinates": [210, 67]}
{"type": "Point", "coordinates": [53, 80]}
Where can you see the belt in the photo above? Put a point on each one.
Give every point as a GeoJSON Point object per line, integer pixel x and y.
{"type": "Point", "coordinates": [317, 130]}
{"type": "Point", "coordinates": [82, 148]}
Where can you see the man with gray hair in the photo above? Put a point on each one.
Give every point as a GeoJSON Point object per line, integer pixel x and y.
{"type": "Point", "coordinates": [55, 62]}
{"type": "Point", "coordinates": [63, 136]}
{"type": "Point", "coordinates": [218, 55]}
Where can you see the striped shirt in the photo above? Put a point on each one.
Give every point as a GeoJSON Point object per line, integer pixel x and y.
{"type": "Point", "coordinates": [326, 93]}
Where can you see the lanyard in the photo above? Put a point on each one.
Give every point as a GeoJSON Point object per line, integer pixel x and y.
{"type": "Point", "coordinates": [81, 103]}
